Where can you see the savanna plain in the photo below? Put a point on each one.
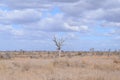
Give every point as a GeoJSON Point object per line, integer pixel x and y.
{"type": "Point", "coordinates": [69, 66]}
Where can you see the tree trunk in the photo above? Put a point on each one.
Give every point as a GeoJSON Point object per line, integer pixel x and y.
{"type": "Point", "coordinates": [59, 53]}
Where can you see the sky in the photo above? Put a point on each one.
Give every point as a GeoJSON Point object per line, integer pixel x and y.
{"type": "Point", "coordinates": [84, 24]}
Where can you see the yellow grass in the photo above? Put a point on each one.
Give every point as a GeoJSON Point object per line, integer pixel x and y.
{"type": "Point", "coordinates": [63, 68]}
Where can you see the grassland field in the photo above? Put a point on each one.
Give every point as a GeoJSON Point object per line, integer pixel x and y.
{"type": "Point", "coordinates": [70, 66]}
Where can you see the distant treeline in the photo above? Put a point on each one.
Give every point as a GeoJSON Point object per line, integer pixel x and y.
{"type": "Point", "coordinates": [53, 54]}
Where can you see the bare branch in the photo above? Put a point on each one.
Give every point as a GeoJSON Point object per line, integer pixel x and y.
{"type": "Point", "coordinates": [58, 42]}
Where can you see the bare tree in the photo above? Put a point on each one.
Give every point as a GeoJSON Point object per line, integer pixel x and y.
{"type": "Point", "coordinates": [59, 43]}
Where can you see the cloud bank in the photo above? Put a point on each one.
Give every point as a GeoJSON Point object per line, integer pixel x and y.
{"type": "Point", "coordinates": [36, 19]}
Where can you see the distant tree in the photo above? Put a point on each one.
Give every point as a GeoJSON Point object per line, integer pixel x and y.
{"type": "Point", "coordinates": [92, 50]}
{"type": "Point", "coordinates": [58, 43]}
{"type": "Point", "coordinates": [109, 50]}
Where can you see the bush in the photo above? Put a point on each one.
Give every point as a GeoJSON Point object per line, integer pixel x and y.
{"type": "Point", "coordinates": [5, 56]}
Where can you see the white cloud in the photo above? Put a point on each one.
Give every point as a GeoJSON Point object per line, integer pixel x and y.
{"type": "Point", "coordinates": [93, 10]}
{"type": "Point", "coordinates": [57, 23]}
{"type": "Point", "coordinates": [11, 30]}
{"type": "Point", "coordinates": [76, 28]}
{"type": "Point", "coordinates": [111, 24]}
{"type": "Point", "coordinates": [17, 32]}
{"type": "Point", "coordinates": [19, 16]}
{"type": "Point", "coordinates": [18, 4]}
{"type": "Point", "coordinates": [76, 15]}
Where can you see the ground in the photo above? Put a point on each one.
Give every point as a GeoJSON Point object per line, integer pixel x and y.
{"type": "Point", "coordinates": [61, 68]}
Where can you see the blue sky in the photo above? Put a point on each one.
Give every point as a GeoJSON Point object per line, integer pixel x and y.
{"type": "Point", "coordinates": [85, 24]}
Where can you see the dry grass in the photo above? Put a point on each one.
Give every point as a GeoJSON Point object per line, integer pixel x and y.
{"type": "Point", "coordinates": [63, 68]}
